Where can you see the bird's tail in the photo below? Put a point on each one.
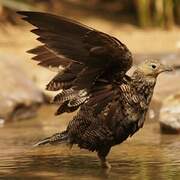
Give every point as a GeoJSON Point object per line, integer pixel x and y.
{"type": "Point", "coordinates": [57, 138]}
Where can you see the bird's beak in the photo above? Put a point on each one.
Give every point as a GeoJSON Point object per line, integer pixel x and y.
{"type": "Point", "coordinates": [165, 68]}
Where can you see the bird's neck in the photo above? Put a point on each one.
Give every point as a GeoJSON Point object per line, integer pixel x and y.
{"type": "Point", "coordinates": [144, 85]}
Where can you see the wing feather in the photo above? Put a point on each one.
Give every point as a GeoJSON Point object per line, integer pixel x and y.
{"type": "Point", "coordinates": [91, 59]}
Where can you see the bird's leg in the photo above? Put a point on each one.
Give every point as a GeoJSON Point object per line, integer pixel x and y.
{"type": "Point", "coordinates": [104, 162]}
{"type": "Point", "coordinates": [69, 147]}
{"type": "Point", "coordinates": [102, 156]}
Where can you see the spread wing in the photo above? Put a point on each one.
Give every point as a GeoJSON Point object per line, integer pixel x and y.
{"type": "Point", "coordinates": [91, 60]}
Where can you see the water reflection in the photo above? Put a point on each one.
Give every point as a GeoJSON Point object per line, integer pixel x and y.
{"type": "Point", "coordinates": [148, 155]}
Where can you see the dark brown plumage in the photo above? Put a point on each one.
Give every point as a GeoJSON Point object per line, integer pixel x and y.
{"type": "Point", "coordinates": [112, 105]}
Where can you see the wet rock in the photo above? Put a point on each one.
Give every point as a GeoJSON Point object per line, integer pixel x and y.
{"type": "Point", "coordinates": [170, 115]}
{"type": "Point", "coordinates": [154, 110]}
{"type": "Point", "coordinates": [167, 84]}
{"type": "Point", "coordinates": [19, 98]}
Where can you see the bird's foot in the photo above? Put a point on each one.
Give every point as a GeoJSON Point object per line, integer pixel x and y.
{"type": "Point", "coordinates": [105, 165]}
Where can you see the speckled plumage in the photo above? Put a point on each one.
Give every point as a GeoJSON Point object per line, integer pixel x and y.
{"type": "Point", "coordinates": [92, 70]}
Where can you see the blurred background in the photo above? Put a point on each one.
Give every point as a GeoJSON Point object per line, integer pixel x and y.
{"type": "Point", "coordinates": [150, 29]}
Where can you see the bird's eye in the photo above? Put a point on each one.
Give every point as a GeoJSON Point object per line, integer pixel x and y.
{"type": "Point", "coordinates": [153, 66]}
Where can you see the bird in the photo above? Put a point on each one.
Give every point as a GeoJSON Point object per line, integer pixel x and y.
{"type": "Point", "coordinates": [92, 78]}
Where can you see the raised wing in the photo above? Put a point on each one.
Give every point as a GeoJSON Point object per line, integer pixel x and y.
{"type": "Point", "coordinates": [92, 60]}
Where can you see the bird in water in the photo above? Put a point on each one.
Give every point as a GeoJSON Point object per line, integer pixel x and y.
{"type": "Point", "coordinates": [92, 76]}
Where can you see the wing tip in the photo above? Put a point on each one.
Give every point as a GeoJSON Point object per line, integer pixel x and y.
{"type": "Point", "coordinates": [22, 12]}
{"type": "Point", "coordinates": [26, 13]}
{"type": "Point", "coordinates": [29, 15]}
{"type": "Point", "coordinates": [30, 51]}
{"type": "Point", "coordinates": [33, 13]}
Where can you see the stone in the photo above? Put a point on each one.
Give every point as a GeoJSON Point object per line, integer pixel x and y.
{"type": "Point", "coordinates": [170, 115]}
{"type": "Point", "coordinates": [19, 97]}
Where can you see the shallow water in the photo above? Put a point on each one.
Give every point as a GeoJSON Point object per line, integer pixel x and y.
{"type": "Point", "coordinates": [148, 155]}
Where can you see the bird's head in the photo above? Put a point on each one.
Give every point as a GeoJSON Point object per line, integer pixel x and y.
{"type": "Point", "coordinates": [153, 68]}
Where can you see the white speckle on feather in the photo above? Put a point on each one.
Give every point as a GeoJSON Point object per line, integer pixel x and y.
{"type": "Point", "coordinates": [56, 69]}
